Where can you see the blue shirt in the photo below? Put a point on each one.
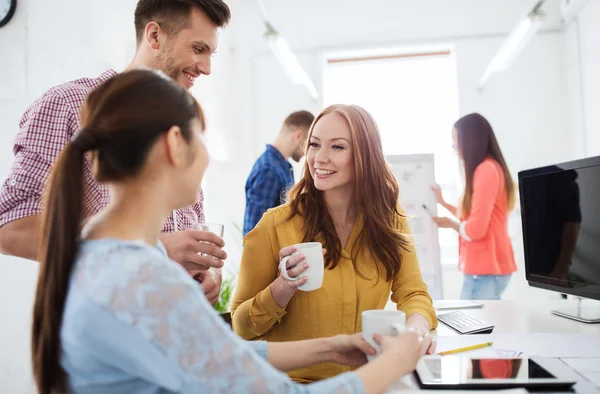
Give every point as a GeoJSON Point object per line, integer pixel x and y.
{"type": "Point", "coordinates": [136, 322]}
{"type": "Point", "coordinates": [271, 177]}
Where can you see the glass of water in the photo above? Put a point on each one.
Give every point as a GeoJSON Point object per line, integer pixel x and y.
{"type": "Point", "coordinates": [216, 228]}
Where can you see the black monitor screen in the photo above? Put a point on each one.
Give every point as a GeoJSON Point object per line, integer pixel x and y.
{"type": "Point", "coordinates": [560, 208]}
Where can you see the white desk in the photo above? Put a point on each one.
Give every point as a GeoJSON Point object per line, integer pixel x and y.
{"type": "Point", "coordinates": [520, 317]}
{"type": "Point", "coordinates": [526, 327]}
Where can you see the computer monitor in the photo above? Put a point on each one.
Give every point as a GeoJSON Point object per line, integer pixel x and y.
{"type": "Point", "coordinates": [560, 212]}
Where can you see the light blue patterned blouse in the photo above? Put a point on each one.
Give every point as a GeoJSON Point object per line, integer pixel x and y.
{"type": "Point", "coordinates": [135, 322]}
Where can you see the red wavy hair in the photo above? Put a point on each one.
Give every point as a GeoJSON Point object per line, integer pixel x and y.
{"type": "Point", "coordinates": [375, 194]}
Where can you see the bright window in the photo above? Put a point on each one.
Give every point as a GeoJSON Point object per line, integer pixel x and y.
{"type": "Point", "coordinates": [413, 96]}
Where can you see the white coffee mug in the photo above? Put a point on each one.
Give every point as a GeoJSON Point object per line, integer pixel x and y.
{"type": "Point", "coordinates": [382, 322]}
{"type": "Point", "coordinates": [313, 252]}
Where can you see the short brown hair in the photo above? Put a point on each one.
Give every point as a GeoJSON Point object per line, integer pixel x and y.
{"type": "Point", "coordinates": [299, 119]}
{"type": "Point", "coordinates": [172, 15]}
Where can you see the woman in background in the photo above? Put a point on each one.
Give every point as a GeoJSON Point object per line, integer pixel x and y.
{"type": "Point", "coordinates": [348, 201]}
{"type": "Point", "coordinates": [485, 251]}
{"type": "Point", "coordinates": [113, 314]}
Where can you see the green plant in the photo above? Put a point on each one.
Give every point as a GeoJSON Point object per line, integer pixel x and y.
{"type": "Point", "coordinates": [230, 273]}
{"type": "Point", "coordinates": [227, 287]}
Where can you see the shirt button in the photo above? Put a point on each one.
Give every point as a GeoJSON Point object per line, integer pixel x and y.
{"type": "Point", "coordinates": [13, 183]}
{"type": "Point", "coordinates": [278, 313]}
{"type": "Point", "coordinates": [474, 276]}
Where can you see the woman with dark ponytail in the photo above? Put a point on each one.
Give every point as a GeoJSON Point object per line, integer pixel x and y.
{"type": "Point", "coordinates": [121, 121]}
{"type": "Point", "coordinates": [113, 314]}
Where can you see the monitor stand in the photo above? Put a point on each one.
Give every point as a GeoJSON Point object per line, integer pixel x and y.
{"type": "Point", "coordinates": [588, 314]}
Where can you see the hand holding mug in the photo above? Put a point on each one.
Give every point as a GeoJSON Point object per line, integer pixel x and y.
{"type": "Point", "coordinates": [195, 249]}
{"type": "Point", "coordinates": [303, 268]}
{"type": "Point", "coordinates": [350, 349]}
{"type": "Point", "coordinates": [291, 267]}
{"type": "Point", "coordinates": [407, 344]}
{"type": "Point", "coordinates": [384, 323]}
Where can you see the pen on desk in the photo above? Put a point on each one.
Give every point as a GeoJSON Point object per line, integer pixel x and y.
{"type": "Point", "coordinates": [465, 349]}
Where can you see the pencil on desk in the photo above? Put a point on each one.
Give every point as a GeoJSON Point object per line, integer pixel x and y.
{"type": "Point", "coordinates": [467, 348]}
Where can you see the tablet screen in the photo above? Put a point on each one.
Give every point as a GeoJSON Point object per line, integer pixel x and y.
{"type": "Point", "coordinates": [459, 370]}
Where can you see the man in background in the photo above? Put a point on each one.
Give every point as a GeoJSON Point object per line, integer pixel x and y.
{"type": "Point", "coordinates": [175, 37]}
{"type": "Point", "coordinates": [272, 174]}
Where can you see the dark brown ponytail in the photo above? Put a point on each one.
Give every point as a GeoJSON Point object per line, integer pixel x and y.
{"type": "Point", "coordinates": [61, 227]}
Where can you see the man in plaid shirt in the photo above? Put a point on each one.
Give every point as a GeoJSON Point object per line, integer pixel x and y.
{"type": "Point", "coordinates": [272, 174]}
{"type": "Point", "coordinates": [176, 37]}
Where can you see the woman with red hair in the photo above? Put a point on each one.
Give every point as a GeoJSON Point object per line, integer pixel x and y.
{"type": "Point", "coordinates": [347, 200]}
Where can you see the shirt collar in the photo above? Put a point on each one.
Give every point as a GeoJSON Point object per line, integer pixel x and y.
{"type": "Point", "coordinates": [106, 75]}
{"type": "Point", "coordinates": [276, 154]}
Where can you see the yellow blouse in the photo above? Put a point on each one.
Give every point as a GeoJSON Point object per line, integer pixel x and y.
{"type": "Point", "coordinates": [333, 309]}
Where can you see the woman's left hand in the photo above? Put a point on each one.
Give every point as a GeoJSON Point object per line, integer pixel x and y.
{"type": "Point", "coordinates": [350, 350]}
{"type": "Point", "coordinates": [443, 222]}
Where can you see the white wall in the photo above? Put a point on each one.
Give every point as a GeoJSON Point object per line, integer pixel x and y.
{"type": "Point", "coordinates": [42, 46]}
{"type": "Point", "coordinates": [587, 28]}
{"type": "Point", "coordinates": [526, 105]}
{"type": "Point", "coordinates": [575, 107]}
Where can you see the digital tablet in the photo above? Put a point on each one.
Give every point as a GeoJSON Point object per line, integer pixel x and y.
{"type": "Point", "coordinates": [456, 372]}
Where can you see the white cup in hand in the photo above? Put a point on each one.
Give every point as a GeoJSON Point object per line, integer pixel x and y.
{"type": "Point", "coordinates": [382, 322]}
{"type": "Point", "coordinates": [313, 252]}
{"type": "Point", "coordinates": [215, 228]}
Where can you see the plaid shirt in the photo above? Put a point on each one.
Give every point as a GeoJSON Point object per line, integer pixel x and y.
{"type": "Point", "coordinates": [45, 128]}
{"type": "Point", "coordinates": [271, 177]}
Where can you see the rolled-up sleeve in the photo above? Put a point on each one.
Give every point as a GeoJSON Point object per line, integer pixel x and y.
{"type": "Point", "coordinates": [45, 129]}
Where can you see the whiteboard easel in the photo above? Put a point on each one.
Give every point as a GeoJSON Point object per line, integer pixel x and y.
{"type": "Point", "coordinates": [415, 175]}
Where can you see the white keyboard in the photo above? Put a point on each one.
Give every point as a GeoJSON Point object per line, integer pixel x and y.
{"type": "Point", "coordinates": [464, 324]}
